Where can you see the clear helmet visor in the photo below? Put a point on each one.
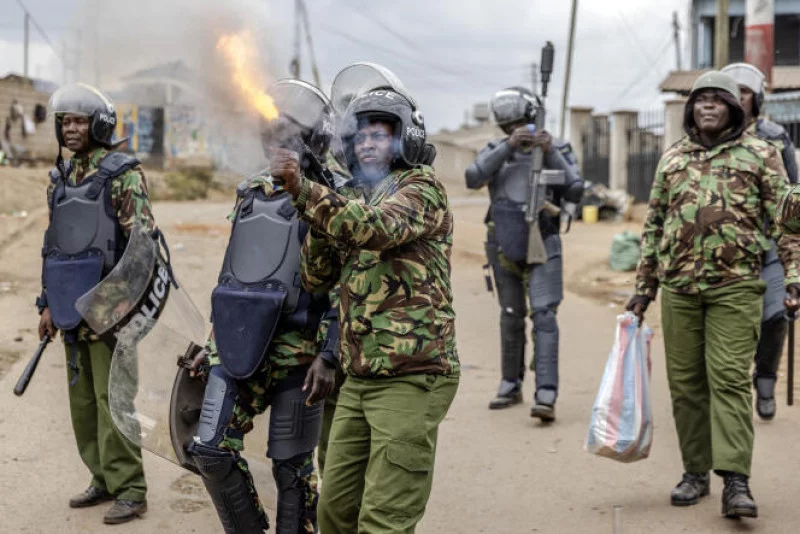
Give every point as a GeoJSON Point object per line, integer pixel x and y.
{"type": "Point", "coordinates": [361, 78]}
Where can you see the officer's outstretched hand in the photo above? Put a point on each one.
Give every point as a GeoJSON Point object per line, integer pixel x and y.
{"type": "Point", "coordinates": [792, 299]}
{"type": "Point", "coordinates": [46, 325]}
{"type": "Point", "coordinates": [320, 379]}
{"type": "Point", "coordinates": [285, 168]}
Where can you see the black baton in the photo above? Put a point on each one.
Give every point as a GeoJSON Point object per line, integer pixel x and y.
{"type": "Point", "coordinates": [792, 317]}
{"type": "Point", "coordinates": [22, 383]}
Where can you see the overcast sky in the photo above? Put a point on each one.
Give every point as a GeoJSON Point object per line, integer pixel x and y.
{"type": "Point", "coordinates": [449, 53]}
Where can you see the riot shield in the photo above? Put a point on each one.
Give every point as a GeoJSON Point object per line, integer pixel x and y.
{"type": "Point", "coordinates": [142, 311]}
{"type": "Point", "coordinates": [361, 78]}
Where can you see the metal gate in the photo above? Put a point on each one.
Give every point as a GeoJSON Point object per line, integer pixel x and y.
{"type": "Point", "coordinates": [596, 149]}
{"type": "Point", "coordinates": [645, 145]}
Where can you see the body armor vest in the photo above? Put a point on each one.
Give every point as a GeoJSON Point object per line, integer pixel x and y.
{"type": "Point", "coordinates": [84, 240]}
{"type": "Point", "coordinates": [259, 284]}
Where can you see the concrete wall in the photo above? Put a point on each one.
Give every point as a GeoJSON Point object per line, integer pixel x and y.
{"type": "Point", "coordinates": [42, 144]}
{"type": "Point", "coordinates": [451, 162]}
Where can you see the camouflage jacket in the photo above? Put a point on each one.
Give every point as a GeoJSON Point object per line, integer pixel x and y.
{"type": "Point", "coordinates": [705, 225]}
{"type": "Point", "coordinates": [128, 197]}
{"type": "Point", "coordinates": [389, 254]}
{"type": "Point", "coordinates": [289, 347]}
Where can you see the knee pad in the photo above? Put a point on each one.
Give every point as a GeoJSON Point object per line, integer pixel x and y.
{"type": "Point", "coordinates": [545, 320]}
{"type": "Point", "coordinates": [218, 403]}
{"type": "Point", "coordinates": [231, 488]}
{"type": "Point", "coordinates": [294, 428]}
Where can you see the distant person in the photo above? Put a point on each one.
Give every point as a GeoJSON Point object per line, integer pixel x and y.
{"type": "Point", "coordinates": [505, 167]}
{"type": "Point", "coordinates": [773, 323]}
{"type": "Point", "coordinates": [703, 244]}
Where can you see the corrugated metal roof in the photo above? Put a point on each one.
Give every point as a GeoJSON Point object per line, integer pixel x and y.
{"type": "Point", "coordinates": [784, 78]}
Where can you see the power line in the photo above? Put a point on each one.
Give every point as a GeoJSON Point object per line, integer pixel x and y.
{"type": "Point", "coordinates": [417, 48]}
{"type": "Point", "coordinates": [41, 30]}
{"type": "Point", "coordinates": [643, 74]}
{"type": "Point", "coordinates": [307, 26]}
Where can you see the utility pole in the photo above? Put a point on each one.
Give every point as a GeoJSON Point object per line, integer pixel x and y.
{"type": "Point", "coordinates": [295, 64]}
{"type": "Point", "coordinates": [565, 98]}
{"type": "Point", "coordinates": [676, 28]}
{"type": "Point", "coordinates": [310, 43]}
{"type": "Point", "coordinates": [535, 77]}
{"type": "Point", "coordinates": [27, 42]}
{"type": "Point", "coordinates": [722, 35]}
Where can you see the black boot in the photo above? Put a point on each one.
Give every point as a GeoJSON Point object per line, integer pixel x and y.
{"type": "Point", "coordinates": [690, 489]}
{"type": "Point", "coordinates": [91, 497]}
{"type": "Point", "coordinates": [736, 498]}
{"type": "Point", "coordinates": [123, 511]}
{"type": "Point", "coordinates": [508, 394]}
{"type": "Point", "coordinates": [768, 359]}
{"type": "Point", "coordinates": [765, 397]}
{"type": "Point", "coordinates": [544, 405]}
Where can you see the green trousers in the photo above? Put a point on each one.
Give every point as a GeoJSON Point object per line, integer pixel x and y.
{"type": "Point", "coordinates": [379, 470]}
{"type": "Point", "coordinates": [115, 463]}
{"type": "Point", "coordinates": [710, 340]}
{"type": "Point", "coordinates": [327, 421]}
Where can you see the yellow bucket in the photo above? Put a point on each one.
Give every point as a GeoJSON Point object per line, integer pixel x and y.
{"type": "Point", "coordinates": [590, 214]}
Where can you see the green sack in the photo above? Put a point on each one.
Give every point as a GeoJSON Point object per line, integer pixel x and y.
{"type": "Point", "coordinates": [625, 251]}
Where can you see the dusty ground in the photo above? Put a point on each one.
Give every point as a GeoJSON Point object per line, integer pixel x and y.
{"type": "Point", "coordinates": [497, 472]}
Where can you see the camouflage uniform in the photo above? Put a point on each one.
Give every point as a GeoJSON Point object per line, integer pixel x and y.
{"type": "Point", "coordinates": [290, 351]}
{"type": "Point", "coordinates": [396, 344]}
{"type": "Point", "coordinates": [115, 463]}
{"type": "Point", "coordinates": [703, 242]}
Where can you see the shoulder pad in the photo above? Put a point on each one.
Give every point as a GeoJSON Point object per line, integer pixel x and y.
{"type": "Point", "coordinates": [259, 179]}
{"type": "Point", "coordinates": [769, 130]}
{"type": "Point", "coordinates": [116, 163]}
{"type": "Point", "coordinates": [495, 142]}
{"type": "Point", "coordinates": [55, 173]}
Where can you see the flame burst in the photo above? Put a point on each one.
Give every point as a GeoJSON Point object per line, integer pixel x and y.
{"type": "Point", "coordinates": [241, 52]}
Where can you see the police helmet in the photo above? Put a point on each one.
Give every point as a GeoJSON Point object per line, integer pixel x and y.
{"type": "Point", "coordinates": [305, 120]}
{"type": "Point", "coordinates": [513, 106]}
{"type": "Point", "coordinates": [82, 99]}
{"type": "Point", "coordinates": [749, 76]}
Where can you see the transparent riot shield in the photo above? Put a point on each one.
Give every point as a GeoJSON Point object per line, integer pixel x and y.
{"type": "Point", "coordinates": [142, 311]}
{"type": "Point", "coordinates": [360, 78]}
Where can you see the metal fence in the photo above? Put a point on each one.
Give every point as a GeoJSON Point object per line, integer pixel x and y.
{"type": "Point", "coordinates": [596, 150]}
{"type": "Point", "coordinates": [645, 145]}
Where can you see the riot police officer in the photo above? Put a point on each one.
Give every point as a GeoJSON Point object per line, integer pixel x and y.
{"type": "Point", "coordinates": [773, 325]}
{"type": "Point", "coordinates": [505, 167]}
{"type": "Point", "coordinates": [265, 345]}
{"type": "Point", "coordinates": [95, 199]}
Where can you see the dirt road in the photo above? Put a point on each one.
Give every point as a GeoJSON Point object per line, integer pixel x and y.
{"type": "Point", "coordinates": [496, 472]}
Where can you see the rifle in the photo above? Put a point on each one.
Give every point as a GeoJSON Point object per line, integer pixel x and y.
{"type": "Point", "coordinates": [536, 249]}
{"type": "Point", "coordinates": [27, 374]}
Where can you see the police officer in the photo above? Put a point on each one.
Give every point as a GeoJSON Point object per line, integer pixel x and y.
{"type": "Point", "coordinates": [396, 319]}
{"type": "Point", "coordinates": [704, 251]}
{"type": "Point", "coordinates": [95, 198]}
{"type": "Point", "coordinates": [505, 166]}
{"type": "Point", "coordinates": [773, 325]}
{"type": "Point", "coordinates": [266, 336]}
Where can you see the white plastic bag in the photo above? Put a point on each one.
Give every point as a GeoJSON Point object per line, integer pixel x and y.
{"type": "Point", "coordinates": [621, 427]}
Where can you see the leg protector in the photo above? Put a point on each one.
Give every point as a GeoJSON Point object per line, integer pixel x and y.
{"type": "Point", "coordinates": [545, 355]}
{"type": "Point", "coordinates": [770, 347]}
{"type": "Point", "coordinates": [218, 403]}
{"type": "Point", "coordinates": [231, 489]}
{"type": "Point", "coordinates": [512, 343]}
{"type": "Point", "coordinates": [294, 428]}
{"type": "Point", "coordinates": [297, 495]}
{"type": "Point", "coordinates": [511, 296]}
